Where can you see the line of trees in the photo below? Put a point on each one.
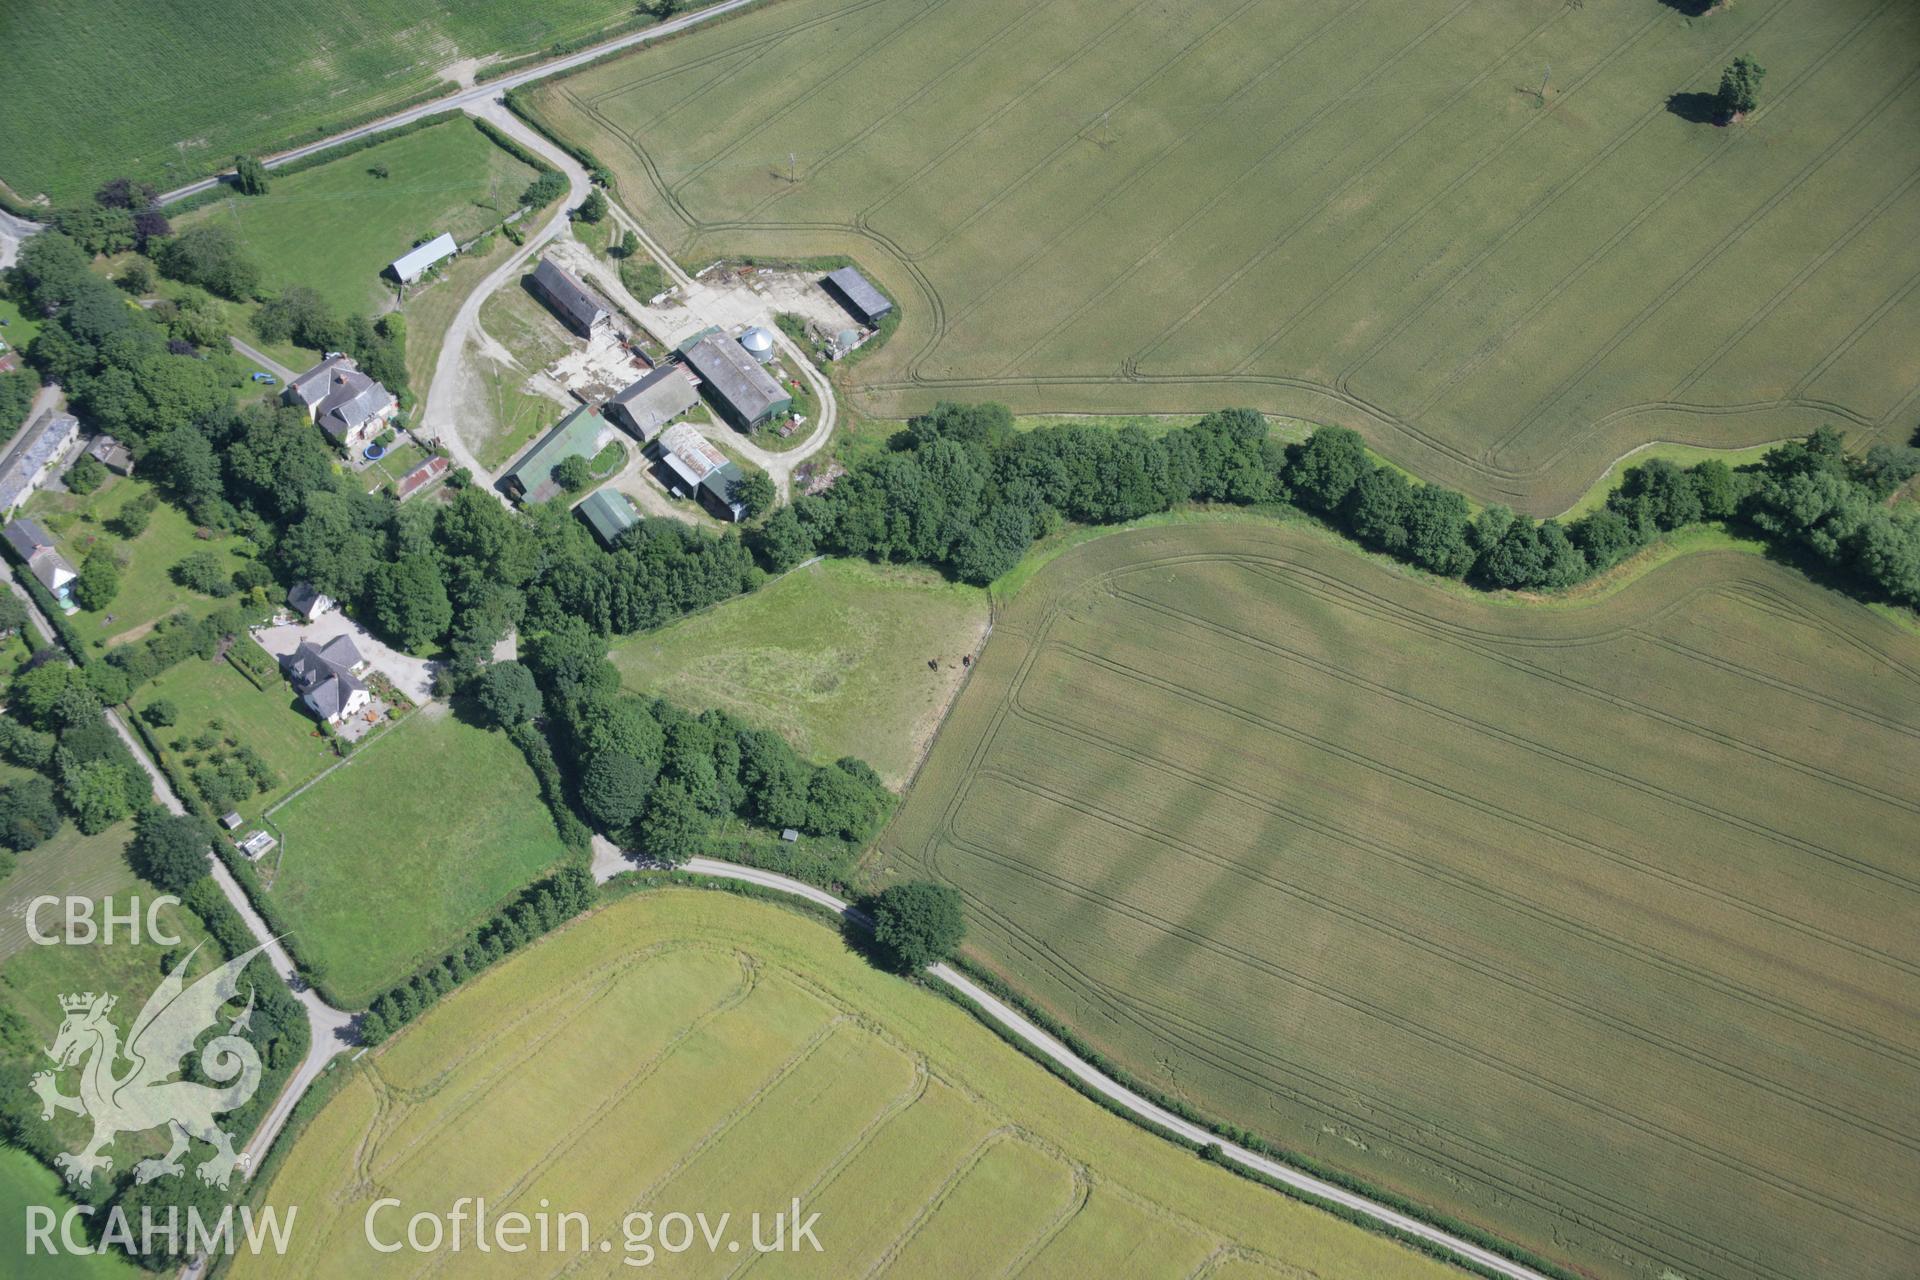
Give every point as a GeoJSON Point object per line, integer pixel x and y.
{"type": "Point", "coordinates": [540, 908]}
{"type": "Point", "coordinates": [962, 490]}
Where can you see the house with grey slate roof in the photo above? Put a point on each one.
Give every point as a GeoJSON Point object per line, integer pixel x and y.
{"type": "Point", "coordinates": [342, 401]}
{"type": "Point", "coordinates": [34, 546]}
{"type": "Point", "coordinates": [327, 678]}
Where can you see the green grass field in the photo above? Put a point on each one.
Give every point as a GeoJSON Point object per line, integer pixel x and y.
{"type": "Point", "coordinates": [697, 1052]}
{"type": "Point", "coordinates": [1592, 924]}
{"type": "Point", "coordinates": [25, 1181]}
{"type": "Point", "coordinates": [832, 657]}
{"type": "Point", "coordinates": [420, 836]}
{"type": "Point", "coordinates": [170, 94]}
{"type": "Point", "coordinates": [1351, 213]}
{"type": "Point", "coordinates": [335, 228]}
{"type": "Point", "coordinates": [147, 591]}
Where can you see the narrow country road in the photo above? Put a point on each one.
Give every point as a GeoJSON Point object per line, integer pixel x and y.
{"type": "Point", "coordinates": [264, 360]}
{"type": "Point", "coordinates": [12, 231]}
{"type": "Point", "coordinates": [466, 99]}
{"type": "Point", "coordinates": [329, 1030]}
{"type": "Point", "coordinates": [608, 861]}
{"type": "Point", "coordinates": [440, 418]}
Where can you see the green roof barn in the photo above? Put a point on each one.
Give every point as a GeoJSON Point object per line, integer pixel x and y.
{"type": "Point", "coordinates": [580, 432]}
{"type": "Point", "coordinates": [609, 513]}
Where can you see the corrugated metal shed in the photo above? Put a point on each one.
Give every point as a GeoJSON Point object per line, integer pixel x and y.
{"type": "Point", "coordinates": [859, 296]}
{"type": "Point", "coordinates": [408, 266]}
{"type": "Point", "coordinates": [609, 513]}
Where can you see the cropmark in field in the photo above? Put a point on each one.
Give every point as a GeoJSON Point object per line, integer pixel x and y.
{"type": "Point", "coordinates": [1592, 925]}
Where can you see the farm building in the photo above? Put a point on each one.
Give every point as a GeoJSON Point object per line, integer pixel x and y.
{"type": "Point", "coordinates": [111, 454]}
{"type": "Point", "coordinates": [579, 434]}
{"type": "Point", "coordinates": [34, 545]}
{"type": "Point", "coordinates": [344, 402]}
{"type": "Point", "coordinates": [857, 294]}
{"type": "Point", "coordinates": [609, 513]}
{"type": "Point", "coordinates": [327, 678]}
{"type": "Point", "coordinates": [410, 266]}
{"type": "Point", "coordinates": [739, 387]}
{"type": "Point", "coordinates": [758, 343]}
{"type": "Point", "coordinates": [29, 462]}
{"type": "Point", "coordinates": [647, 404]}
{"type": "Point", "coordinates": [707, 473]}
{"type": "Point", "coordinates": [579, 308]}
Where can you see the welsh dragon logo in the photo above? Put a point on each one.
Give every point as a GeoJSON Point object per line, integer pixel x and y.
{"type": "Point", "coordinates": [145, 1096]}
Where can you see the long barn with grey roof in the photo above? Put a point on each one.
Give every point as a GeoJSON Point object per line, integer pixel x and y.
{"type": "Point", "coordinates": [858, 295]}
{"type": "Point", "coordinates": [739, 386]}
{"type": "Point", "coordinates": [579, 308]}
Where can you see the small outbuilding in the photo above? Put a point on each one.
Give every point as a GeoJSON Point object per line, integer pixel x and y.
{"type": "Point", "coordinates": [413, 264]}
{"type": "Point", "coordinates": [789, 834]}
{"type": "Point", "coordinates": [857, 294]}
{"type": "Point", "coordinates": [308, 601]}
{"type": "Point", "coordinates": [743, 391]}
{"type": "Point", "coordinates": [111, 454]}
{"type": "Point", "coordinates": [579, 308]}
{"type": "Point", "coordinates": [258, 845]}
{"type": "Point", "coordinates": [609, 513]}
{"type": "Point", "coordinates": [231, 819]}
{"type": "Point", "coordinates": [647, 404]}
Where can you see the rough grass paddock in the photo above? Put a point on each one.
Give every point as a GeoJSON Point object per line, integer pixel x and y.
{"type": "Point", "coordinates": [695, 1051]}
{"type": "Point", "coordinates": [391, 858]}
{"type": "Point", "coordinates": [1591, 925]}
{"type": "Point", "coordinates": [833, 657]}
{"type": "Point", "coordinates": [335, 228]}
{"type": "Point", "coordinates": [169, 93]}
{"type": "Point", "coordinates": [1352, 213]}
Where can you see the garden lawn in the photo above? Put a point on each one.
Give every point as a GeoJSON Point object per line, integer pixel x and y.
{"type": "Point", "coordinates": [389, 860]}
{"type": "Point", "coordinates": [147, 591]}
{"type": "Point", "coordinates": [336, 227]}
{"type": "Point", "coordinates": [833, 657]}
{"type": "Point", "coordinates": [269, 720]}
{"type": "Point", "coordinates": [683, 1050]}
